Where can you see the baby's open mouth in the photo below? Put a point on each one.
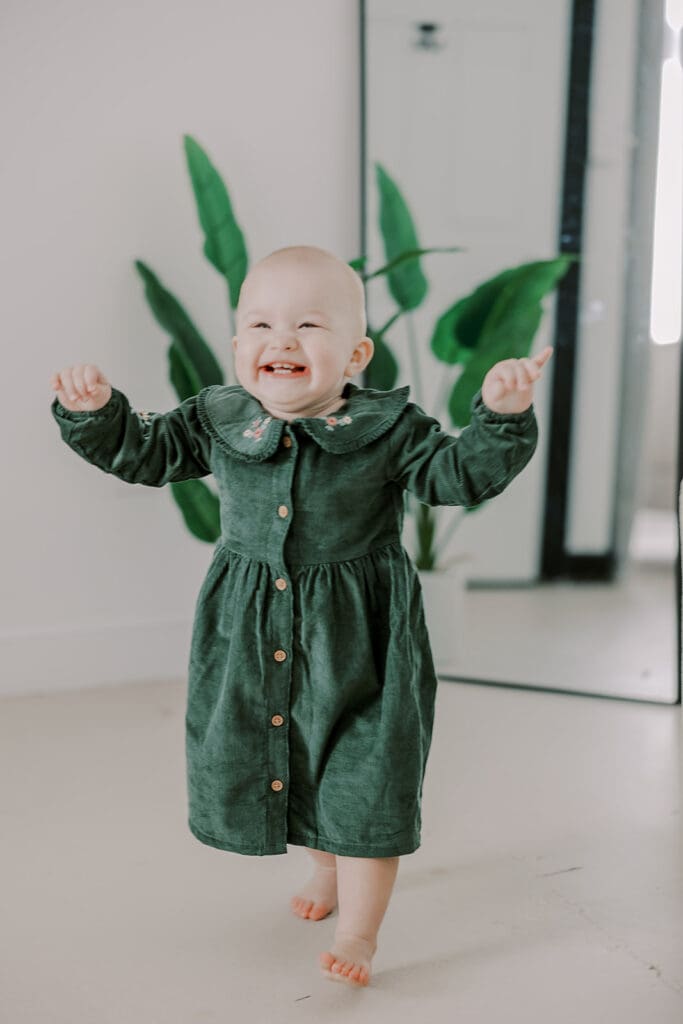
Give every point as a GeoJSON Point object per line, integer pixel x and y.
{"type": "Point", "coordinates": [284, 369]}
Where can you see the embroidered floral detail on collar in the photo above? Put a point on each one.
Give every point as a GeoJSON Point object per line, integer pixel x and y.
{"type": "Point", "coordinates": [143, 414]}
{"type": "Point", "coordinates": [331, 422]}
{"type": "Point", "coordinates": [244, 429]}
{"type": "Point", "coordinates": [257, 427]}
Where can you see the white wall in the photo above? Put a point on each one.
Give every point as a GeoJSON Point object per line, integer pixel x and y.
{"type": "Point", "coordinates": [99, 578]}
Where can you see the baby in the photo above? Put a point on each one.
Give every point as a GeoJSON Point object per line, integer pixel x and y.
{"type": "Point", "coordinates": [311, 684]}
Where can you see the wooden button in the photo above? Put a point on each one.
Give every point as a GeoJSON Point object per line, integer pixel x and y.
{"type": "Point", "coordinates": [277, 785]}
{"type": "Point", "coordinates": [287, 441]}
{"type": "Point", "coordinates": [280, 583]}
{"type": "Point", "coordinates": [283, 511]}
{"type": "Point", "coordinates": [277, 719]}
{"type": "Point", "coordinates": [280, 655]}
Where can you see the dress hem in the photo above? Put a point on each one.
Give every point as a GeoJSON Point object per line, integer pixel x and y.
{"type": "Point", "coordinates": [397, 848]}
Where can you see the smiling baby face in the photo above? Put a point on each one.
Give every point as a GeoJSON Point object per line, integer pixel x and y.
{"type": "Point", "coordinates": [300, 332]}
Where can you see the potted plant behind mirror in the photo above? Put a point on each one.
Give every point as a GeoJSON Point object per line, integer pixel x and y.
{"type": "Point", "coordinates": [497, 320]}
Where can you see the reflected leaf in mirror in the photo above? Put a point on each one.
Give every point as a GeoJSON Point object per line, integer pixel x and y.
{"type": "Point", "coordinates": [497, 321]}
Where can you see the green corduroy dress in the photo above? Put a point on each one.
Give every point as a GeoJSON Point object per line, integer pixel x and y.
{"type": "Point", "coordinates": [311, 684]}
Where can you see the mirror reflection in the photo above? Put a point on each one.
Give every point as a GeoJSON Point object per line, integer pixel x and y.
{"type": "Point", "coordinates": [508, 139]}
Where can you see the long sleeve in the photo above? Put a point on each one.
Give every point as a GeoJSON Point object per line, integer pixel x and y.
{"type": "Point", "coordinates": [138, 447]}
{"type": "Point", "coordinates": [442, 469]}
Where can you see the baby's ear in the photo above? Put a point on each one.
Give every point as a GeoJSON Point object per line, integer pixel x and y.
{"type": "Point", "coordinates": [363, 353]}
{"type": "Point", "coordinates": [234, 343]}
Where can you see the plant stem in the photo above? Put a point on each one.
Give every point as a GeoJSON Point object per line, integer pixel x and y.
{"type": "Point", "coordinates": [233, 331]}
{"type": "Point", "coordinates": [442, 542]}
{"type": "Point", "coordinates": [425, 526]}
{"type": "Point", "coordinates": [390, 321]}
{"type": "Point", "coordinates": [445, 385]}
{"type": "Point", "coordinates": [414, 360]}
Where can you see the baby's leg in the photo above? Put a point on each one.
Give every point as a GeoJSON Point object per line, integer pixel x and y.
{"type": "Point", "coordinates": [365, 885]}
{"type": "Point", "coordinates": [318, 898]}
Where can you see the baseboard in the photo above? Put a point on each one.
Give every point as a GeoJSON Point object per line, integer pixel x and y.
{"type": "Point", "coordinates": [82, 657]}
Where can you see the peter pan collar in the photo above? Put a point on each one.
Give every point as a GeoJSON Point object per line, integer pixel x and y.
{"type": "Point", "coordinates": [243, 428]}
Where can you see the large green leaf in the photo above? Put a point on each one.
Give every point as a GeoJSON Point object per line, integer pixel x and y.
{"type": "Point", "coordinates": [406, 282]}
{"type": "Point", "coordinates": [172, 317]}
{"type": "Point", "coordinates": [445, 342]}
{"type": "Point", "coordinates": [182, 374]}
{"type": "Point", "coordinates": [458, 330]}
{"type": "Point", "coordinates": [506, 330]}
{"type": "Point", "coordinates": [224, 244]}
{"type": "Point", "coordinates": [199, 507]}
{"type": "Point", "coordinates": [382, 370]}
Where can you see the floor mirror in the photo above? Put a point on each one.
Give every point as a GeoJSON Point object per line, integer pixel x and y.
{"type": "Point", "coordinates": [516, 132]}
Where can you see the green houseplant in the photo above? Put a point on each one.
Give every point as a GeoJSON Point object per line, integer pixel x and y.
{"type": "Point", "coordinates": [496, 321]}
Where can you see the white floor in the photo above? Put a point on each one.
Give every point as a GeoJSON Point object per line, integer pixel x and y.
{"type": "Point", "coordinates": [611, 639]}
{"type": "Point", "coordinates": [547, 889]}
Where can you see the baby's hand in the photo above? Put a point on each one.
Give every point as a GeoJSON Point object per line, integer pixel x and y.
{"type": "Point", "coordinates": [508, 386]}
{"type": "Point", "coordinates": [81, 388]}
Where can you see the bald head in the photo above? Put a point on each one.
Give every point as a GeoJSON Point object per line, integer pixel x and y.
{"type": "Point", "coordinates": [338, 282]}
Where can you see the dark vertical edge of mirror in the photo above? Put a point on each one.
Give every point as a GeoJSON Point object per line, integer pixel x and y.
{"type": "Point", "coordinates": [555, 562]}
{"type": "Point", "coordinates": [362, 49]}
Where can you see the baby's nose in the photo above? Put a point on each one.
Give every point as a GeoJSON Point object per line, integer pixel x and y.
{"type": "Point", "coordinates": [287, 340]}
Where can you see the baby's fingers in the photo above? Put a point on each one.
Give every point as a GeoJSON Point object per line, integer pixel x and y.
{"type": "Point", "coordinates": [523, 377]}
{"type": "Point", "coordinates": [543, 356]}
{"type": "Point", "coordinates": [68, 386]}
{"type": "Point", "coordinates": [79, 381]}
{"type": "Point", "coordinates": [529, 370]}
{"type": "Point", "coordinates": [506, 373]}
{"type": "Point", "coordinates": [92, 377]}
{"type": "Point", "coordinates": [86, 378]}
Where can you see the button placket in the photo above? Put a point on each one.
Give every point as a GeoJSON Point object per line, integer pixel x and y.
{"type": "Point", "coordinates": [278, 682]}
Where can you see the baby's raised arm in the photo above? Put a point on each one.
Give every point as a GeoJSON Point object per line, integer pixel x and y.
{"type": "Point", "coordinates": [81, 388]}
{"type": "Point", "coordinates": [96, 420]}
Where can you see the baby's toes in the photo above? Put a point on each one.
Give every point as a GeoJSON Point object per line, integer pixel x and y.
{"type": "Point", "coordinates": [318, 912]}
{"type": "Point", "coordinates": [300, 906]}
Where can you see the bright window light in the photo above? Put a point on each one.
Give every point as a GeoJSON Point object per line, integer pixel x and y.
{"type": "Point", "coordinates": [674, 14]}
{"type": "Point", "coordinates": [667, 269]}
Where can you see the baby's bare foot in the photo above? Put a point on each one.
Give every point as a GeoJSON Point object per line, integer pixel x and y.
{"type": "Point", "coordinates": [318, 898]}
{"type": "Point", "coordinates": [349, 959]}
